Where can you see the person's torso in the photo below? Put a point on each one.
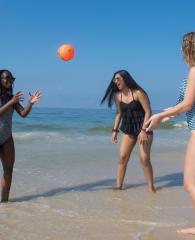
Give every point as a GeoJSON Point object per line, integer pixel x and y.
{"type": "Point", "coordinates": [190, 115]}
{"type": "Point", "coordinates": [5, 123]}
{"type": "Point", "coordinates": [132, 116]}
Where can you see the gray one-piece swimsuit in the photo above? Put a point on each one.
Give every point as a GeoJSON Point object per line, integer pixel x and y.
{"type": "Point", "coordinates": [5, 124]}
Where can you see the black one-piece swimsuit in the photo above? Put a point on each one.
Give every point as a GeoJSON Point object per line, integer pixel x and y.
{"type": "Point", "coordinates": [132, 117]}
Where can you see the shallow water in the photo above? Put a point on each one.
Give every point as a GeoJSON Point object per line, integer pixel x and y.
{"type": "Point", "coordinates": [64, 177]}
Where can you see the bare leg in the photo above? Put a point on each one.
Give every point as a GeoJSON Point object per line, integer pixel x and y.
{"type": "Point", "coordinates": [7, 159]}
{"type": "Point", "coordinates": [189, 175]}
{"type": "Point", "coordinates": [126, 146]}
{"type": "Point", "coordinates": [146, 164]}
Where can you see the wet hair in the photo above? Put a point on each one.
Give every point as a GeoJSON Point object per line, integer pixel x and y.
{"type": "Point", "coordinates": [188, 48]}
{"type": "Point", "coordinates": [112, 88]}
{"type": "Point", "coordinates": [10, 91]}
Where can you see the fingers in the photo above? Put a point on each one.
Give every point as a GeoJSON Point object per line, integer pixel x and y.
{"type": "Point", "coordinates": [167, 108]}
{"type": "Point", "coordinates": [114, 140]}
{"type": "Point", "coordinates": [37, 93]}
{"type": "Point", "coordinates": [33, 98]}
{"type": "Point", "coordinates": [147, 123]}
{"type": "Point", "coordinates": [149, 128]}
{"type": "Point", "coordinates": [166, 119]}
{"type": "Point", "coordinates": [18, 96]}
{"type": "Point", "coordinates": [152, 123]}
{"type": "Point", "coordinates": [18, 92]}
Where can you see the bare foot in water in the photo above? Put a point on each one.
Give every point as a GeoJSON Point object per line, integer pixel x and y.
{"type": "Point", "coordinates": [117, 188]}
{"type": "Point", "coordinates": [187, 231]}
{"type": "Point", "coordinates": [151, 189]}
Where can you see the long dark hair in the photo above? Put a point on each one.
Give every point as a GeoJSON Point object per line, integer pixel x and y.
{"type": "Point", "coordinates": [112, 88]}
{"type": "Point", "coordinates": [10, 92]}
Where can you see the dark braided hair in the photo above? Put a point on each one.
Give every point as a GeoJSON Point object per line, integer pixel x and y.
{"type": "Point", "coordinates": [10, 91]}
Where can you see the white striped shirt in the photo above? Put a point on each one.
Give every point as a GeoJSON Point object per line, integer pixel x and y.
{"type": "Point", "coordinates": [190, 114]}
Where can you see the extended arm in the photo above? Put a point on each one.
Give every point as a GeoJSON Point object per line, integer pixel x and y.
{"type": "Point", "coordinates": [23, 112]}
{"type": "Point", "coordinates": [183, 106]}
{"type": "Point", "coordinates": [14, 100]}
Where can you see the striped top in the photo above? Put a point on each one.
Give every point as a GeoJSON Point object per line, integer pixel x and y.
{"type": "Point", "coordinates": [190, 114]}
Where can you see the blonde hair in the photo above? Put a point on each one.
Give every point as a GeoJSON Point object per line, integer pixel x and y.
{"type": "Point", "coordinates": [188, 48]}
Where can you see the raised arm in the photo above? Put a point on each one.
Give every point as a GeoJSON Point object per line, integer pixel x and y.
{"type": "Point", "coordinates": [14, 100]}
{"type": "Point", "coordinates": [33, 98]}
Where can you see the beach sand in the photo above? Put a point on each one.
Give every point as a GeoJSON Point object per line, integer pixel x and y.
{"type": "Point", "coordinates": [68, 193]}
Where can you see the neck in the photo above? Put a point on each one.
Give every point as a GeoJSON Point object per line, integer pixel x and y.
{"type": "Point", "coordinates": [125, 90]}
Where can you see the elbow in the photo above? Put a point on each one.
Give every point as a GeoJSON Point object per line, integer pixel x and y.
{"type": "Point", "coordinates": [118, 114]}
{"type": "Point", "coordinates": [148, 112]}
{"type": "Point", "coordinates": [188, 107]}
{"type": "Point", "coordinates": [23, 115]}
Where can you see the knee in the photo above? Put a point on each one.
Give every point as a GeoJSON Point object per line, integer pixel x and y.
{"type": "Point", "coordinates": [145, 161]}
{"type": "Point", "coordinates": [189, 186]}
{"type": "Point", "coordinates": [8, 172]}
{"type": "Point", "coordinates": [123, 160]}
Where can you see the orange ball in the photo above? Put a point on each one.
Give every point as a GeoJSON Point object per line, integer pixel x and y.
{"type": "Point", "coordinates": [66, 52]}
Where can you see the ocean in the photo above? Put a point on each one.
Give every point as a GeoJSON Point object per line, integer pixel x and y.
{"type": "Point", "coordinates": [64, 176]}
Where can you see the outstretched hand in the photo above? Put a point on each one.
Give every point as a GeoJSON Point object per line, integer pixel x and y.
{"type": "Point", "coordinates": [33, 98]}
{"type": "Point", "coordinates": [153, 122]}
{"type": "Point", "coordinates": [166, 119]}
{"type": "Point", "coordinates": [17, 97]}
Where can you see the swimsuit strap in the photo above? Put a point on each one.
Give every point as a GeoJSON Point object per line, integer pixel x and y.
{"type": "Point", "coordinates": [132, 94]}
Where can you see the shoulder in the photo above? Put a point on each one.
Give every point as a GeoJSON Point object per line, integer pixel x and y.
{"type": "Point", "coordinates": [192, 69]}
{"type": "Point", "coordinates": [117, 96]}
{"type": "Point", "coordinates": [191, 74]}
{"type": "Point", "coordinates": [139, 94]}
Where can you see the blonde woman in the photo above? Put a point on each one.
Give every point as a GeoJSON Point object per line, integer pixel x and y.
{"type": "Point", "coordinates": [186, 104]}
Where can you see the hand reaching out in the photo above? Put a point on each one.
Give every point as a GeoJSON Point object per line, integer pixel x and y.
{"type": "Point", "coordinates": [165, 119]}
{"type": "Point", "coordinates": [33, 98]}
{"type": "Point", "coordinates": [153, 122]}
{"type": "Point", "coordinates": [17, 97]}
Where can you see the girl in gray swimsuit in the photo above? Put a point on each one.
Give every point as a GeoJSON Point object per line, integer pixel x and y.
{"type": "Point", "coordinates": [8, 103]}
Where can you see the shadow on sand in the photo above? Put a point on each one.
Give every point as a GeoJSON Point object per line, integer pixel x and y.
{"type": "Point", "coordinates": [166, 181]}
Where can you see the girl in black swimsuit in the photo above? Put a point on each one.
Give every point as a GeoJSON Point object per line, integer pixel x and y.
{"type": "Point", "coordinates": [133, 108]}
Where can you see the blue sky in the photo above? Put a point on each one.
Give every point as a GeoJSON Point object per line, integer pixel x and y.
{"type": "Point", "coordinates": [141, 36]}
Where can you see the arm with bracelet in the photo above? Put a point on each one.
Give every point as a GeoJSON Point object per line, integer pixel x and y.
{"type": "Point", "coordinates": [117, 119]}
